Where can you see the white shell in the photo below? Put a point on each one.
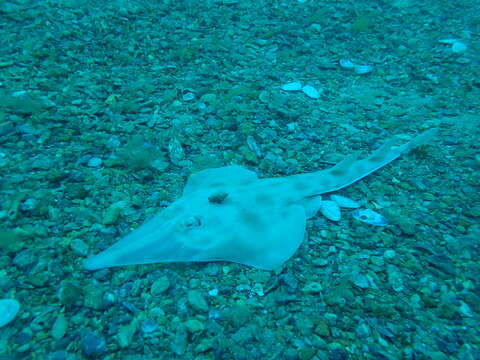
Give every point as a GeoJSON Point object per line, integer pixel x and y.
{"type": "Point", "coordinates": [8, 310]}
{"type": "Point", "coordinates": [330, 210]}
{"type": "Point", "coordinates": [362, 69]}
{"type": "Point", "coordinates": [448, 41]}
{"type": "Point", "coordinates": [346, 64]}
{"type": "Point", "coordinates": [292, 86]}
{"type": "Point", "coordinates": [345, 202]}
{"type": "Point", "coordinates": [370, 217]}
{"type": "Point", "coordinates": [311, 92]}
{"type": "Point", "coordinates": [459, 47]}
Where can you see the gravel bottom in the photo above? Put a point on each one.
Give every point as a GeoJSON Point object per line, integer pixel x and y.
{"type": "Point", "coordinates": [105, 109]}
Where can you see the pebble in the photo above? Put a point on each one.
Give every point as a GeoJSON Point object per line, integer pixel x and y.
{"type": "Point", "coordinates": [25, 259]}
{"type": "Point", "coordinates": [8, 310]}
{"type": "Point", "coordinates": [311, 92]}
{"type": "Point", "coordinates": [209, 98]}
{"type": "Point", "coordinates": [292, 86]}
{"type": "Point", "coordinates": [160, 285]}
{"type": "Point", "coordinates": [194, 326]}
{"type": "Point", "coordinates": [394, 278]}
{"type": "Point", "coordinates": [95, 162]}
{"type": "Point", "coordinates": [322, 329]}
{"type": "Point", "coordinates": [112, 213]}
{"type": "Point", "coordinates": [175, 151]}
{"type": "Point", "coordinates": [79, 247]}
{"type": "Point", "coordinates": [125, 335]}
{"type": "Point", "coordinates": [258, 289]}
{"type": "Point", "coordinates": [149, 325]}
{"type": "Point", "coordinates": [29, 204]}
{"type": "Point", "coordinates": [93, 297]}
{"type": "Point", "coordinates": [197, 301]}
{"type": "Point", "coordinates": [370, 217]}
{"type": "Point", "coordinates": [213, 292]}
{"type": "Point", "coordinates": [92, 344]}
{"type": "Point", "coordinates": [362, 330]}
{"type": "Point", "coordinates": [180, 341]}
{"type": "Point", "coordinates": [59, 328]}
{"type": "Point", "coordinates": [330, 210]}
{"type": "Point", "coordinates": [360, 280]}
{"type": "Point", "coordinates": [389, 254]}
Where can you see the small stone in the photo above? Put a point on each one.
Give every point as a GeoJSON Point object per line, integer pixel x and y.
{"type": "Point", "coordinates": [312, 288]}
{"type": "Point", "coordinates": [197, 301]}
{"type": "Point", "coordinates": [111, 214]}
{"type": "Point", "coordinates": [8, 311]}
{"type": "Point", "coordinates": [149, 325]}
{"type": "Point", "coordinates": [160, 285]}
{"type": "Point", "coordinates": [175, 151]}
{"type": "Point", "coordinates": [204, 345]}
{"type": "Point", "coordinates": [92, 344]}
{"type": "Point", "coordinates": [25, 259]}
{"type": "Point", "coordinates": [291, 126]}
{"type": "Point", "coordinates": [125, 335]}
{"type": "Point", "coordinates": [79, 247]}
{"type": "Point", "coordinates": [311, 92]}
{"type": "Point", "coordinates": [93, 297]}
{"type": "Point", "coordinates": [474, 211]}
{"type": "Point", "coordinates": [258, 289]}
{"type": "Point", "coordinates": [394, 278]}
{"type": "Point", "coordinates": [406, 224]}
{"type": "Point", "coordinates": [95, 162]}
{"type": "Point", "coordinates": [322, 329]}
{"type": "Point", "coordinates": [194, 326]}
{"type": "Point", "coordinates": [362, 330]}
{"type": "Point", "coordinates": [29, 204]}
{"type": "Point", "coordinates": [377, 260]}
{"type": "Point", "coordinates": [70, 293]}
{"type": "Point", "coordinates": [389, 254]}
{"type": "Point", "coordinates": [465, 310]}
{"type": "Point", "coordinates": [360, 280]}
{"type": "Point", "coordinates": [209, 98]}
{"type": "Point", "coordinates": [213, 292]}
{"type": "Point", "coordinates": [59, 328]}
{"type": "Point", "coordinates": [180, 341]}
{"type": "Point", "coordinates": [306, 353]}
{"type": "Point", "coordinates": [158, 315]}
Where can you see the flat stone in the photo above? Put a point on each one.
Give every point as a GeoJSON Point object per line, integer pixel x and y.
{"type": "Point", "coordinates": [197, 301]}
